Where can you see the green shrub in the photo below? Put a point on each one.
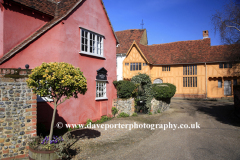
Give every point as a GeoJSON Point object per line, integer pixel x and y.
{"type": "Point", "coordinates": [163, 91]}
{"type": "Point", "coordinates": [125, 89]}
{"type": "Point", "coordinates": [158, 111]}
{"type": "Point", "coordinates": [144, 90]}
{"type": "Point", "coordinates": [97, 122]}
{"type": "Point", "coordinates": [134, 114]}
{"type": "Point", "coordinates": [150, 113]}
{"type": "Point", "coordinates": [114, 111]}
{"type": "Point", "coordinates": [122, 114]}
{"type": "Point", "coordinates": [104, 119]}
{"type": "Point", "coordinates": [88, 122]}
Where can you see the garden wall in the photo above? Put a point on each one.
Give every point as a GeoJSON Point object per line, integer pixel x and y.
{"type": "Point", "coordinates": [17, 113]}
{"type": "Point", "coordinates": [124, 105]}
{"type": "Point", "coordinates": [128, 105]}
{"type": "Point", "coordinates": [159, 106]}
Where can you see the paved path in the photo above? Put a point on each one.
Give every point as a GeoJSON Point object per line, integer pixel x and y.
{"type": "Point", "coordinates": [217, 138]}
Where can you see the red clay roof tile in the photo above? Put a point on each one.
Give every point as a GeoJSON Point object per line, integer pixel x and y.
{"type": "Point", "coordinates": [127, 37]}
{"type": "Point", "coordinates": [185, 52]}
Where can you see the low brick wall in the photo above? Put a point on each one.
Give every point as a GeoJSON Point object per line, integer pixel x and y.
{"type": "Point", "coordinates": [159, 106]}
{"type": "Point", "coordinates": [17, 113]}
{"type": "Point", "coordinates": [124, 105]}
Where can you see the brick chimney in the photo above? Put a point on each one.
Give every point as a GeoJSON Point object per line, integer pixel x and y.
{"type": "Point", "coordinates": [205, 34]}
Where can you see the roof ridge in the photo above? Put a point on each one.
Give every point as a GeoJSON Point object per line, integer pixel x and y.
{"type": "Point", "coordinates": [176, 42]}
{"type": "Point", "coordinates": [130, 30]}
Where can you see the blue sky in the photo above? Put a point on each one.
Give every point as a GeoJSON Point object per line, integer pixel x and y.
{"type": "Point", "coordinates": [166, 20]}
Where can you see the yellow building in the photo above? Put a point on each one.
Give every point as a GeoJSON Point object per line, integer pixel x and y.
{"type": "Point", "coordinates": [197, 69]}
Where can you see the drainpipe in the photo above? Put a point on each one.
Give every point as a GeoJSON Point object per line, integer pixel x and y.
{"type": "Point", "coordinates": [206, 77]}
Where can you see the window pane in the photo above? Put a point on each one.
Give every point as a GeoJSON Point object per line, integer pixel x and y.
{"type": "Point", "coordinates": [133, 66]}
{"type": "Point", "coordinates": [196, 82]}
{"type": "Point", "coordinates": [91, 42]}
{"type": "Point", "coordinates": [190, 70]}
{"type": "Point", "coordinates": [136, 66]}
{"type": "Point", "coordinates": [219, 83]}
{"type": "Point", "coordinates": [220, 65]}
{"type": "Point", "coordinates": [234, 82]}
{"type": "Point", "coordinates": [169, 68]}
{"type": "Point", "coordinates": [225, 65]}
{"type": "Point", "coordinates": [140, 66]}
{"type": "Point", "coordinates": [230, 65]}
{"type": "Point", "coordinates": [190, 81]}
{"type": "Point", "coordinates": [195, 70]}
{"type": "Point", "coordinates": [184, 82]}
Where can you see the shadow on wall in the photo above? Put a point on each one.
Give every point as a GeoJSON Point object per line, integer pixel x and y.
{"type": "Point", "coordinates": [44, 118]}
{"type": "Point", "coordinates": [223, 112]}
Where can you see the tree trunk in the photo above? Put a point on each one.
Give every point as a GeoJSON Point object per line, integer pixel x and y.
{"type": "Point", "coordinates": [53, 119]}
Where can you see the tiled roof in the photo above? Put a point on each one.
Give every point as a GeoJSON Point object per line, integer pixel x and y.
{"type": "Point", "coordinates": [184, 52]}
{"type": "Point", "coordinates": [127, 37]}
{"type": "Point", "coordinates": [59, 9]}
{"type": "Point", "coordinates": [45, 6]}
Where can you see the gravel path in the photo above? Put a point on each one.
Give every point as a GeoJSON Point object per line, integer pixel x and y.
{"type": "Point", "coordinates": [100, 141]}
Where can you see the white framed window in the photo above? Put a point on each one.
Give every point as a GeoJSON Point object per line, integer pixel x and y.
{"type": "Point", "coordinates": [91, 43]}
{"type": "Point", "coordinates": [101, 90]}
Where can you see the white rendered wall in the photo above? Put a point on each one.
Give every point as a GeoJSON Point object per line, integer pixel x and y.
{"type": "Point", "coordinates": [120, 58]}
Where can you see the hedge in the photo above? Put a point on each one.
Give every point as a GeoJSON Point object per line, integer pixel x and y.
{"type": "Point", "coordinates": [163, 91]}
{"type": "Point", "coordinates": [125, 89]}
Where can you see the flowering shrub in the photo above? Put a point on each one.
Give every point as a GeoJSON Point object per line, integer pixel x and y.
{"type": "Point", "coordinates": [54, 140]}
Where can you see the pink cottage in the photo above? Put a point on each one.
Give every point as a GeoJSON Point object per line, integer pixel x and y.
{"type": "Point", "coordinates": [78, 32]}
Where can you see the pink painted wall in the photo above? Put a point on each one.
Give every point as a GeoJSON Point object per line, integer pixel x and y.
{"type": "Point", "coordinates": [1, 29]}
{"type": "Point", "coordinates": [62, 44]}
{"type": "Point", "coordinates": [19, 23]}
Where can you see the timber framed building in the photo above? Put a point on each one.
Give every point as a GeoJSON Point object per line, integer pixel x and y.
{"type": "Point", "coordinates": [198, 69]}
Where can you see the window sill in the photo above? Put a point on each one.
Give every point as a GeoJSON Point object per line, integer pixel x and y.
{"type": "Point", "coordinates": [93, 55]}
{"type": "Point", "coordinates": [101, 80]}
{"type": "Point", "coordinates": [102, 98]}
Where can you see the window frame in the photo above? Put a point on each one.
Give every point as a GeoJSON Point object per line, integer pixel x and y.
{"type": "Point", "coordinates": [97, 43]}
{"type": "Point", "coordinates": [166, 68]}
{"type": "Point", "coordinates": [144, 64]}
{"type": "Point", "coordinates": [104, 90]}
{"type": "Point", "coordinates": [135, 66]}
{"type": "Point", "coordinates": [190, 82]}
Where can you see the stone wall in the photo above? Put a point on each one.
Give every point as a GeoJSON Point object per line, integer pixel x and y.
{"type": "Point", "coordinates": [159, 106]}
{"type": "Point", "coordinates": [17, 113]}
{"type": "Point", "coordinates": [128, 105]}
{"type": "Point", "coordinates": [124, 105]}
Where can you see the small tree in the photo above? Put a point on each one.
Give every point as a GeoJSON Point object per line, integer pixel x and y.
{"type": "Point", "coordinates": [58, 81]}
